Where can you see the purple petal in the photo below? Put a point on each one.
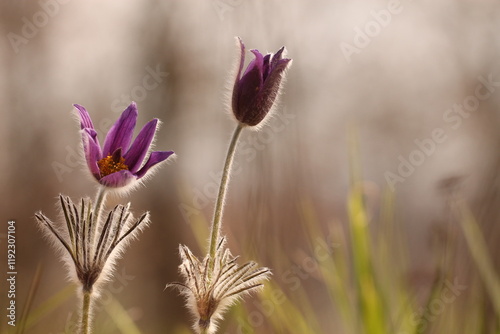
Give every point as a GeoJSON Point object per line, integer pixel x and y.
{"type": "Point", "coordinates": [92, 151]}
{"type": "Point", "coordinates": [266, 66]}
{"type": "Point", "coordinates": [154, 158]}
{"type": "Point", "coordinates": [236, 86]}
{"type": "Point", "coordinates": [250, 83]}
{"type": "Point", "coordinates": [118, 179]}
{"type": "Point", "coordinates": [272, 84]}
{"type": "Point", "coordinates": [277, 57]}
{"type": "Point", "coordinates": [267, 95]}
{"type": "Point", "coordinates": [252, 80]}
{"type": "Point", "coordinates": [247, 89]}
{"type": "Point", "coordinates": [140, 147]}
{"type": "Point", "coordinates": [242, 59]}
{"type": "Point", "coordinates": [120, 134]}
{"type": "Point", "coordinates": [85, 120]}
{"type": "Point", "coordinates": [257, 63]}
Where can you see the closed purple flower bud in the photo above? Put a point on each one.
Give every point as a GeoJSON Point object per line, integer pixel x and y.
{"type": "Point", "coordinates": [256, 90]}
{"type": "Point", "coordinates": [120, 162]}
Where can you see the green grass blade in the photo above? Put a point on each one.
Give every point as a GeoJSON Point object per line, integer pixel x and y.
{"type": "Point", "coordinates": [371, 306]}
{"type": "Point", "coordinates": [481, 256]}
{"type": "Point", "coordinates": [121, 318]}
{"type": "Point", "coordinates": [50, 305]}
{"type": "Point", "coordinates": [29, 300]}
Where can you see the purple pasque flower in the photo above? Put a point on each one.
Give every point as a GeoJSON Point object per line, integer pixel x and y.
{"type": "Point", "coordinates": [120, 161]}
{"type": "Point", "coordinates": [256, 90]}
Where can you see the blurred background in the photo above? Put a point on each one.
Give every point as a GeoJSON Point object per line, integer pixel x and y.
{"type": "Point", "coordinates": [419, 80]}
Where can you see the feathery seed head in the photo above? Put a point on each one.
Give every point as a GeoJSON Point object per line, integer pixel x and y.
{"type": "Point", "coordinates": [208, 296]}
{"type": "Point", "coordinates": [91, 247]}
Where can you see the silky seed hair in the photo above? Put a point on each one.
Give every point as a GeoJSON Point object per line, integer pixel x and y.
{"type": "Point", "coordinates": [88, 247]}
{"type": "Point", "coordinates": [208, 296]}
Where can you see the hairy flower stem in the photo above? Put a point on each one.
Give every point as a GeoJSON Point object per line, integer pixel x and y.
{"type": "Point", "coordinates": [85, 321]}
{"type": "Point", "coordinates": [219, 205]}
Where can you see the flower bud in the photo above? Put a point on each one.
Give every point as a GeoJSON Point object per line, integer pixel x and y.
{"type": "Point", "coordinates": [256, 90]}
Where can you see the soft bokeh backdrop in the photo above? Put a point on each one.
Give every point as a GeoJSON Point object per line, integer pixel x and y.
{"type": "Point", "coordinates": [393, 70]}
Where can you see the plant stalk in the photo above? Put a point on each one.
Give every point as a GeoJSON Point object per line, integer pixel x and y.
{"type": "Point", "coordinates": [219, 205]}
{"type": "Point", "coordinates": [85, 320]}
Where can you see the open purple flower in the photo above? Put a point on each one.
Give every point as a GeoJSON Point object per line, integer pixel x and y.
{"type": "Point", "coordinates": [256, 90]}
{"type": "Point", "coordinates": [120, 161]}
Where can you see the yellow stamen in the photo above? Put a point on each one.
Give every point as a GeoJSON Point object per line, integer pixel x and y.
{"type": "Point", "coordinates": [109, 165]}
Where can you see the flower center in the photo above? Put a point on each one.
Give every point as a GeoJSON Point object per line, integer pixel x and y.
{"type": "Point", "coordinates": [112, 164]}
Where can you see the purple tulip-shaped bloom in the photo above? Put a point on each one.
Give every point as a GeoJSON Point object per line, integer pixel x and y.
{"type": "Point", "coordinates": [256, 90]}
{"type": "Point", "coordinates": [120, 161]}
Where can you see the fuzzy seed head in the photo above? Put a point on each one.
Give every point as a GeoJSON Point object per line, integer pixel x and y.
{"type": "Point", "coordinates": [209, 294]}
{"type": "Point", "coordinates": [90, 247]}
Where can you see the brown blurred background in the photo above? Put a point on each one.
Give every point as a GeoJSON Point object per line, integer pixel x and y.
{"type": "Point", "coordinates": [397, 87]}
